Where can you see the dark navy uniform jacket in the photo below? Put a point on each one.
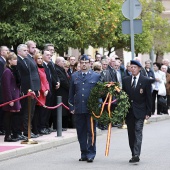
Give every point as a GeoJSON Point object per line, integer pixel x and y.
{"type": "Point", "coordinates": [140, 98]}
{"type": "Point", "coordinates": [80, 90]}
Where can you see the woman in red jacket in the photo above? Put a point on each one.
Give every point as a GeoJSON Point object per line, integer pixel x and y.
{"type": "Point", "coordinates": [42, 93]}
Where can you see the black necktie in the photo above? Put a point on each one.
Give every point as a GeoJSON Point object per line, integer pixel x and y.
{"type": "Point", "coordinates": [134, 83]}
{"type": "Point", "coordinates": [49, 72]}
{"type": "Point", "coordinates": [84, 74]}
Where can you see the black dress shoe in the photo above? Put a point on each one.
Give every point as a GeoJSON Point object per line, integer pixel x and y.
{"type": "Point", "coordinates": [90, 159]}
{"type": "Point", "coordinates": [32, 135]}
{"type": "Point", "coordinates": [83, 159]}
{"type": "Point", "coordinates": [48, 130]}
{"type": "Point", "coordinates": [10, 139]}
{"type": "Point", "coordinates": [64, 129]}
{"type": "Point", "coordinates": [53, 130]}
{"type": "Point", "coordinates": [43, 132]}
{"type": "Point", "coordinates": [19, 137]}
{"type": "Point", "coordinates": [38, 134]}
{"type": "Point", "coordinates": [2, 132]}
{"type": "Point", "coordinates": [134, 159]}
{"type": "Point", "coordinates": [22, 137]}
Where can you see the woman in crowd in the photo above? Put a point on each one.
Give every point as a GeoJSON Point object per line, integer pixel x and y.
{"type": "Point", "coordinates": [42, 93]}
{"type": "Point", "coordinates": [128, 69]}
{"type": "Point", "coordinates": [11, 90]}
{"type": "Point", "coordinates": [97, 67]}
{"type": "Point", "coordinates": [66, 67]}
{"type": "Point", "coordinates": [159, 79]}
{"type": "Point", "coordinates": [76, 66]}
{"type": "Point", "coordinates": [63, 90]}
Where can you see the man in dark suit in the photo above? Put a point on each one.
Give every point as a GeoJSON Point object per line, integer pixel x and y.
{"type": "Point", "coordinates": [72, 61]}
{"type": "Point", "coordinates": [138, 88]}
{"type": "Point", "coordinates": [111, 69]}
{"type": "Point", "coordinates": [35, 78]}
{"type": "Point", "coordinates": [31, 45]}
{"type": "Point", "coordinates": [24, 66]}
{"type": "Point", "coordinates": [45, 116]}
{"type": "Point", "coordinates": [63, 90]}
{"type": "Point", "coordinates": [80, 86]}
{"type": "Point", "coordinates": [55, 86]}
{"type": "Point", "coordinates": [3, 54]}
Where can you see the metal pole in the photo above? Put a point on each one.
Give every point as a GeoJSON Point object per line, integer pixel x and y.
{"type": "Point", "coordinates": [152, 56]}
{"type": "Point", "coordinates": [152, 50]}
{"type": "Point", "coordinates": [132, 27]}
{"type": "Point", "coordinates": [59, 117]}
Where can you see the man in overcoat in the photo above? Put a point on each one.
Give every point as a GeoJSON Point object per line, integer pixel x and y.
{"type": "Point", "coordinates": [80, 86]}
{"type": "Point", "coordinates": [138, 88]}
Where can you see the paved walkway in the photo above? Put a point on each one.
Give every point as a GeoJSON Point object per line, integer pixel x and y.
{"type": "Point", "coordinates": [14, 149]}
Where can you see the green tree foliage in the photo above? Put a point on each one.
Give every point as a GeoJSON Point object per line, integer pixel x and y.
{"type": "Point", "coordinates": [78, 24]}
{"type": "Point", "coordinates": [155, 31]}
{"type": "Point", "coordinates": [74, 23]}
{"type": "Point", "coordinates": [157, 28]}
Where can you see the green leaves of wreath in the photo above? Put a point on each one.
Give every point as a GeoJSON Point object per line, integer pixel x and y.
{"type": "Point", "coordinates": [119, 108]}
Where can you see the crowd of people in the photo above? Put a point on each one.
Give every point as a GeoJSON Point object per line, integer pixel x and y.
{"type": "Point", "coordinates": [33, 69]}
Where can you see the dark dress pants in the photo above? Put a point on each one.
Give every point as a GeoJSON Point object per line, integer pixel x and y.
{"type": "Point", "coordinates": [135, 128]}
{"type": "Point", "coordinates": [17, 124]}
{"type": "Point", "coordinates": [35, 120]}
{"type": "Point", "coordinates": [83, 127]}
{"type": "Point", "coordinates": [1, 119]}
{"type": "Point", "coordinates": [8, 123]}
{"type": "Point", "coordinates": [159, 107]}
{"type": "Point", "coordinates": [45, 115]}
{"type": "Point", "coordinates": [53, 115]}
{"type": "Point", "coordinates": [168, 101]}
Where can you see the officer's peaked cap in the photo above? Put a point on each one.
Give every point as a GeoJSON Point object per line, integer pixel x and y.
{"type": "Point", "coordinates": [84, 57]}
{"type": "Point", "coordinates": [135, 62]}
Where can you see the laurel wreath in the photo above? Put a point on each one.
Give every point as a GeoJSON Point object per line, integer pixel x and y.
{"type": "Point", "coordinates": [112, 112]}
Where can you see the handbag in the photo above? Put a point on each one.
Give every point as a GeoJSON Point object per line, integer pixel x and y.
{"type": "Point", "coordinates": [162, 101]}
{"type": "Point", "coordinates": [162, 89]}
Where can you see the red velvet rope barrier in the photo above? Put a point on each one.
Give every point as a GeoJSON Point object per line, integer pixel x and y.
{"type": "Point", "coordinates": [33, 95]}
{"type": "Point", "coordinates": [4, 104]}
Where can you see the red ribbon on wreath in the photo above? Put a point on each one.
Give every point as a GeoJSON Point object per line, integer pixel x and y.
{"type": "Point", "coordinates": [109, 113]}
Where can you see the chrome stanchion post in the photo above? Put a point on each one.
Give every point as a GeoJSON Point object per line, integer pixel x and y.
{"type": "Point", "coordinates": [59, 116]}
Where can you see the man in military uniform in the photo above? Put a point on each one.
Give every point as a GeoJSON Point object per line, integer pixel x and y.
{"type": "Point", "coordinates": [80, 86]}
{"type": "Point", "coordinates": [138, 88]}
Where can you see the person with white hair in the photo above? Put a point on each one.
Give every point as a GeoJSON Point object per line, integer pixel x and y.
{"type": "Point", "coordinates": [111, 69]}
{"type": "Point", "coordinates": [63, 90]}
{"type": "Point", "coordinates": [165, 61]}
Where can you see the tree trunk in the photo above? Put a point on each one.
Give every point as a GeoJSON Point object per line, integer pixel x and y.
{"type": "Point", "coordinates": [119, 53]}
{"type": "Point", "coordinates": [159, 57]}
